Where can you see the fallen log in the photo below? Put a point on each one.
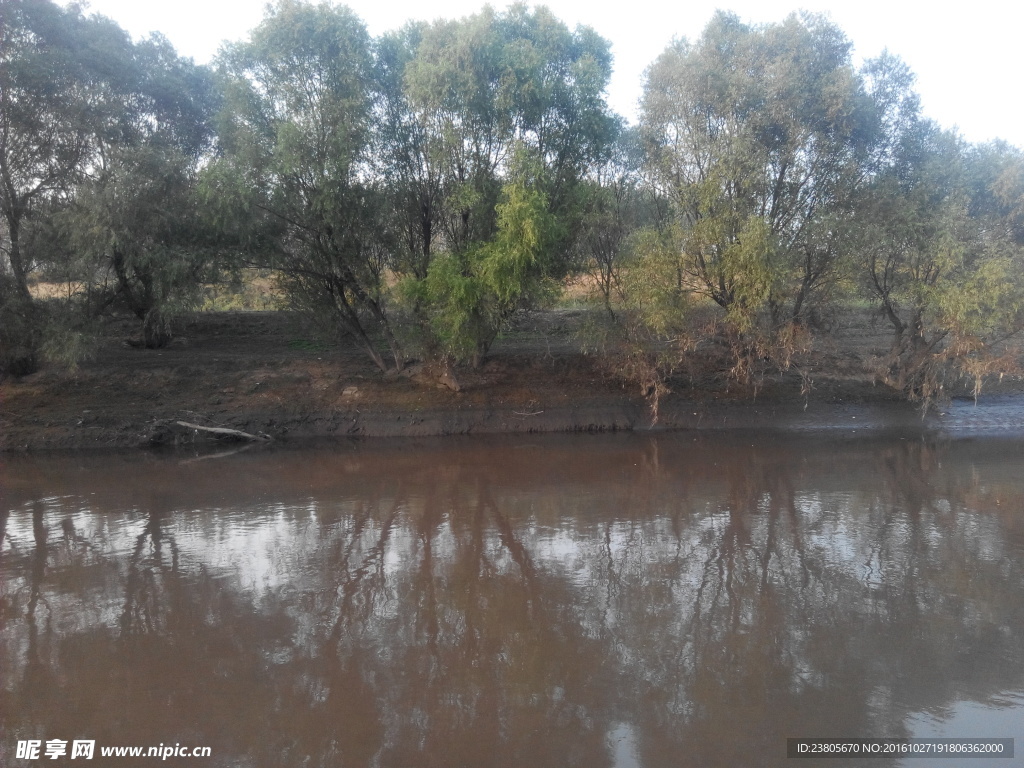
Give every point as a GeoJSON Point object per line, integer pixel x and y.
{"type": "Point", "coordinates": [223, 433]}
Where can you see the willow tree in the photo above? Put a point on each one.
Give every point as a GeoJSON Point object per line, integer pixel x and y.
{"type": "Point", "coordinates": [943, 254]}
{"type": "Point", "coordinates": [295, 140]}
{"type": "Point", "coordinates": [760, 136]}
{"type": "Point", "coordinates": [617, 204]}
{"type": "Point", "coordinates": [55, 71]}
{"type": "Point", "coordinates": [134, 222]}
{"type": "Point", "coordinates": [138, 235]}
{"type": "Point", "coordinates": [490, 124]}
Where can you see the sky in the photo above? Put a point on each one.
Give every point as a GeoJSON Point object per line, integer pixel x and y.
{"type": "Point", "coordinates": [966, 55]}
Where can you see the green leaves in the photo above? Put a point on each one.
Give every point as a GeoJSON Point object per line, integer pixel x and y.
{"type": "Point", "coordinates": [756, 134]}
{"type": "Point", "coordinates": [490, 125]}
{"type": "Point", "coordinates": [942, 259]}
{"type": "Point", "coordinates": [450, 174]}
{"type": "Point", "coordinates": [99, 141]}
{"type": "Point", "coordinates": [297, 129]}
{"type": "Point", "coordinates": [467, 295]}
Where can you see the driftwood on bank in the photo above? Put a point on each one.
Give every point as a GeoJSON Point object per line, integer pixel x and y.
{"type": "Point", "coordinates": [223, 433]}
{"type": "Point", "coordinates": [178, 432]}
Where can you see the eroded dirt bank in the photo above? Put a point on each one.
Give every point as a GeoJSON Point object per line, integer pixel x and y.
{"type": "Point", "coordinates": [263, 374]}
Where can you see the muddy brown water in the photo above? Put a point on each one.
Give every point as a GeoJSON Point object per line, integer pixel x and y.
{"type": "Point", "coordinates": [677, 599]}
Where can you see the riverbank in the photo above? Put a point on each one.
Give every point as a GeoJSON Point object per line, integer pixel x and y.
{"type": "Point", "coordinates": [263, 373]}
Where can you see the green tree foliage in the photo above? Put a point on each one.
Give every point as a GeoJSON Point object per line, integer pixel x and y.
{"type": "Point", "coordinates": [470, 105]}
{"type": "Point", "coordinates": [473, 290]}
{"type": "Point", "coordinates": [295, 135]}
{"type": "Point", "coordinates": [100, 140]}
{"type": "Point", "coordinates": [134, 222]}
{"type": "Point", "coordinates": [417, 188]}
{"type": "Point", "coordinates": [428, 185]}
{"type": "Point", "coordinates": [940, 237]}
{"type": "Point", "coordinates": [616, 204]}
{"type": "Point", "coordinates": [759, 135]}
{"type": "Point", "coordinates": [632, 265]}
{"type": "Point", "coordinates": [996, 180]}
{"type": "Point", "coordinates": [138, 225]}
{"type": "Point", "coordinates": [54, 96]}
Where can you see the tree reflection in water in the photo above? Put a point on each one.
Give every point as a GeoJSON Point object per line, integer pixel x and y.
{"type": "Point", "coordinates": [496, 602]}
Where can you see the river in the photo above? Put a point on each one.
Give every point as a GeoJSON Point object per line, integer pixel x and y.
{"type": "Point", "coordinates": [678, 599]}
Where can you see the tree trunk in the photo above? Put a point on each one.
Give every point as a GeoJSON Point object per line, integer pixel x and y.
{"type": "Point", "coordinates": [19, 329]}
{"type": "Point", "coordinates": [18, 268]}
{"type": "Point", "coordinates": [156, 331]}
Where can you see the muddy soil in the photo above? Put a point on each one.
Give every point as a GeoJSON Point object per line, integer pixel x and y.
{"type": "Point", "coordinates": [266, 374]}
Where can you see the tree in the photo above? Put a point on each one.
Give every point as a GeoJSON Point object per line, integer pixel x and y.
{"type": "Point", "coordinates": [416, 186]}
{"type": "Point", "coordinates": [616, 203]}
{"type": "Point", "coordinates": [996, 180]}
{"type": "Point", "coordinates": [295, 141]}
{"type": "Point", "coordinates": [134, 221]}
{"type": "Point", "coordinates": [760, 136]}
{"type": "Point", "coordinates": [493, 113]}
{"type": "Point", "coordinates": [472, 291]}
{"type": "Point", "coordinates": [943, 259]}
{"type": "Point", "coordinates": [139, 227]}
{"type": "Point", "coordinates": [54, 67]}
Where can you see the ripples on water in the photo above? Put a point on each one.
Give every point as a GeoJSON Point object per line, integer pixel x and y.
{"type": "Point", "coordinates": [675, 600]}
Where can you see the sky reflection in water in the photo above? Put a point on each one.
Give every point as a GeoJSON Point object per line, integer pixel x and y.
{"type": "Point", "coordinates": [674, 600]}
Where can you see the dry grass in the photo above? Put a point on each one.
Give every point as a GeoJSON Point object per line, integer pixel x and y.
{"type": "Point", "coordinates": [45, 291]}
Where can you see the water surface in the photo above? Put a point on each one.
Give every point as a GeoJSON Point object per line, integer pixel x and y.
{"type": "Point", "coordinates": [667, 600]}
